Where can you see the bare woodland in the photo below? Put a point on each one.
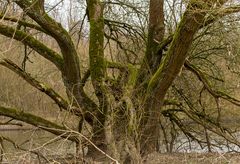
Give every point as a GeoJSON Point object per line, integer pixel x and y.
{"type": "Point", "coordinates": [132, 76]}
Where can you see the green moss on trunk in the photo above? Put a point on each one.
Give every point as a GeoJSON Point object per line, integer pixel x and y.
{"type": "Point", "coordinates": [96, 53]}
{"type": "Point", "coordinates": [167, 72]}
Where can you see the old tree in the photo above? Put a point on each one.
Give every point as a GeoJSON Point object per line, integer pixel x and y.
{"type": "Point", "coordinates": [152, 66]}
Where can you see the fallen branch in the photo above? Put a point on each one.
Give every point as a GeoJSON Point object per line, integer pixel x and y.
{"type": "Point", "coordinates": [38, 122]}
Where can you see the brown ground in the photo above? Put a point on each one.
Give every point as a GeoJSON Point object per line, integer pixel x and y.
{"type": "Point", "coordinates": [156, 158]}
{"type": "Point", "coordinates": [193, 158]}
{"type": "Point", "coordinates": [179, 158]}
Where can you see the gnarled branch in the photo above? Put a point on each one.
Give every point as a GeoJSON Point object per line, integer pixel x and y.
{"type": "Point", "coordinates": [36, 45]}
{"type": "Point", "coordinates": [61, 102]}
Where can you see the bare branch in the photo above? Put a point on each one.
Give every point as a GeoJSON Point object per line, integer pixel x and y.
{"type": "Point", "coordinates": [23, 23]}
{"type": "Point", "coordinates": [29, 40]}
{"type": "Point", "coordinates": [217, 94]}
{"type": "Point", "coordinates": [206, 121]}
{"type": "Point", "coordinates": [219, 13]}
{"type": "Point", "coordinates": [85, 77]}
{"type": "Point", "coordinates": [40, 86]}
{"type": "Point", "coordinates": [116, 65]}
{"type": "Point", "coordinates": [38, 122]}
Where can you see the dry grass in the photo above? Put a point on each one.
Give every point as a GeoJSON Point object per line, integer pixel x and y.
{"type": "Point", "coordinates": [193, 158]}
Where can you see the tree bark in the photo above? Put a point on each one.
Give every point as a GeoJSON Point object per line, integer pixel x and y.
{"type": "Point", "coordinates": [71, 65]}
{"type": "Point", "coordinates": [101, 132]}
{"type": "Point", "coordinates": [152, 56]}
{"type": "Point", "coordinates": [168, 70]}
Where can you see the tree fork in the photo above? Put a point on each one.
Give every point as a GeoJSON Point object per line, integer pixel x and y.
{"type": "Point", "coordinates": [170, 66]}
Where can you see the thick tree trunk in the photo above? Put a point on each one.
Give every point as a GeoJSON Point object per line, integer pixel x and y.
{"type": "Point", "coordinates": [152, 56]}
{"type": "Point", "coordinates": [102, 127]}
{"type": "Point", "coordinates": [156, 30]}
{"type": "Point", "coordinates": [168, 70]}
